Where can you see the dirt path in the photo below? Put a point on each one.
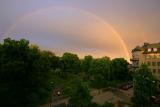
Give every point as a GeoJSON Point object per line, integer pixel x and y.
{"type": "Point", "coordinates": [111, 96]}
{"type": "Point", "coordinates": [100, 97]}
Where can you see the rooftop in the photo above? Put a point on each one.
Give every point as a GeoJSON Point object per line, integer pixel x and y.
{"type": "Point", "coordinates": [148, 48]}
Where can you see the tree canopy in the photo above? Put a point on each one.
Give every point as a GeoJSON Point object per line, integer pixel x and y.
{"type": "Point", "coordinates": [120, 69]}
{"type": "Point", "coordinates": [80, 95]}
{"type": "Point", "coordinates": [70, 62]}
{"type": "Point", "coordinates": [144, 87]}
{"type": "Point", "coordinates": [86, 63]}
{"type": "Point", "coordinates": [25, 74]}
{"type": "Point", "coordinates": [100, 71]}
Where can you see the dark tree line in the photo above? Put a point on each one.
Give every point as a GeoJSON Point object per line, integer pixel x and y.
{"type": "Point", "coordinates": [102, 71]}
{"type": "Point", "coordinates": [26, 72]}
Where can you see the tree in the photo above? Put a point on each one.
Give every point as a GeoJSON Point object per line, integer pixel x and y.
{"type": "Point", "coordinates": [86, 63]}
{"type": "Point", "coordinates": [80, 95]}
{"type": "Point", "coordinates": [100, 71]}
{"type": "Point", "coordinates": [53, 60]}
{"type": "Point", "coordinates": [120, 69]}
{"type": "Point", "coordinates": [25, 74]}
{"type": "Point", "coordinates": [70, 63]}
{"type": "Point", "coordinates": [144, 87]}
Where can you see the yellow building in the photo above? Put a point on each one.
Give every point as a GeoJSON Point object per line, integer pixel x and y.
{"type": "Point", "coordinates": [147, 54]}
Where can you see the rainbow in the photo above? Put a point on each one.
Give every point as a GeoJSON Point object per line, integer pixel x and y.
{"type": "Point", "coordinates": [23, 18]}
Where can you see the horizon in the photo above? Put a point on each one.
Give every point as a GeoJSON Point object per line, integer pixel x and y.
{"type": "Point", "coordinates": [106, 28]}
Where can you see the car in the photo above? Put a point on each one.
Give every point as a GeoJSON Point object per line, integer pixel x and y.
{"type": "Point", "coordinates": [126, 87]}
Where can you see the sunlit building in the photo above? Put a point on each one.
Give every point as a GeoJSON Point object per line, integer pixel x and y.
{"type": "Point", "coordinates": [147, 54]}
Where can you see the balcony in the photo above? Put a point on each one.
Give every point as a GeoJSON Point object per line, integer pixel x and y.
{"type": "Point", "coordinates": [134, 59]}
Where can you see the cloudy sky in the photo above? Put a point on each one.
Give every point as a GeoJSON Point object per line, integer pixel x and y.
{"type": "Point", "coordinates": [97, 27]}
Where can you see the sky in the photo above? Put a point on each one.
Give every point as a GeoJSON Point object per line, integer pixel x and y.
{"type": "Point", "coordinates": [96, 27]}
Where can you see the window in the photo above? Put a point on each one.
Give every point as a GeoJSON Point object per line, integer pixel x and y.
{"type": "Point", "coordinates": [153, 63]}
{"type": "Point", "coordinates": [158, 63]}
{"type": "Point", "coordinates": [155, 49]}
{"type": "Point", "coordinates": [154, 71]}
{"type": "Point", "coordinates": [149, 49]}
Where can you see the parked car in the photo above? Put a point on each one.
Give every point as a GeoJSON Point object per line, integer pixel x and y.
{"type": "Point", "coordinates": [126, 86]}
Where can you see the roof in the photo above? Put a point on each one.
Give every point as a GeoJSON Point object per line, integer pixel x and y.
{"type": "Point", "coordinates": [147, 46]}
{"type": "Point", "coordinates": [137, 48]}
{"type": "Point", "coordinates": [154, 45]}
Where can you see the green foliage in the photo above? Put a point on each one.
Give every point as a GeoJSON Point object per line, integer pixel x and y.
{"type": "Point", "coordinates": [86, 63]}
{"type": "Point", "coordinates": [120, 69]}
{"type": "Point", "coordinates": [52, 60]}
{"type": "Point", "coordinates": [25, 74]}
{"type": "Point", "coordinates": [70, 63]}
{"type": "Point", "coordinates": [104, 72]}
{"type": "Point", "coordinates": [100, 71]}
{"type": "Point", "coordinates": [144, 87]}
{"type": "Point", "coordinates": [80, 95]}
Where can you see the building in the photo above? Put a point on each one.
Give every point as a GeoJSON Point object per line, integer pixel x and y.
{"type": "Point", "coordinates": [147, 54]}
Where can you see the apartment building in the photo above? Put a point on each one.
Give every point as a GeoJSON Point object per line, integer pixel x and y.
{"type": "Point", "coordinates": [148, 54]}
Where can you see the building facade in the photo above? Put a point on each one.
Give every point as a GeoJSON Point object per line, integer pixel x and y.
{"type": "Point", "coordinates": [147, 54]}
